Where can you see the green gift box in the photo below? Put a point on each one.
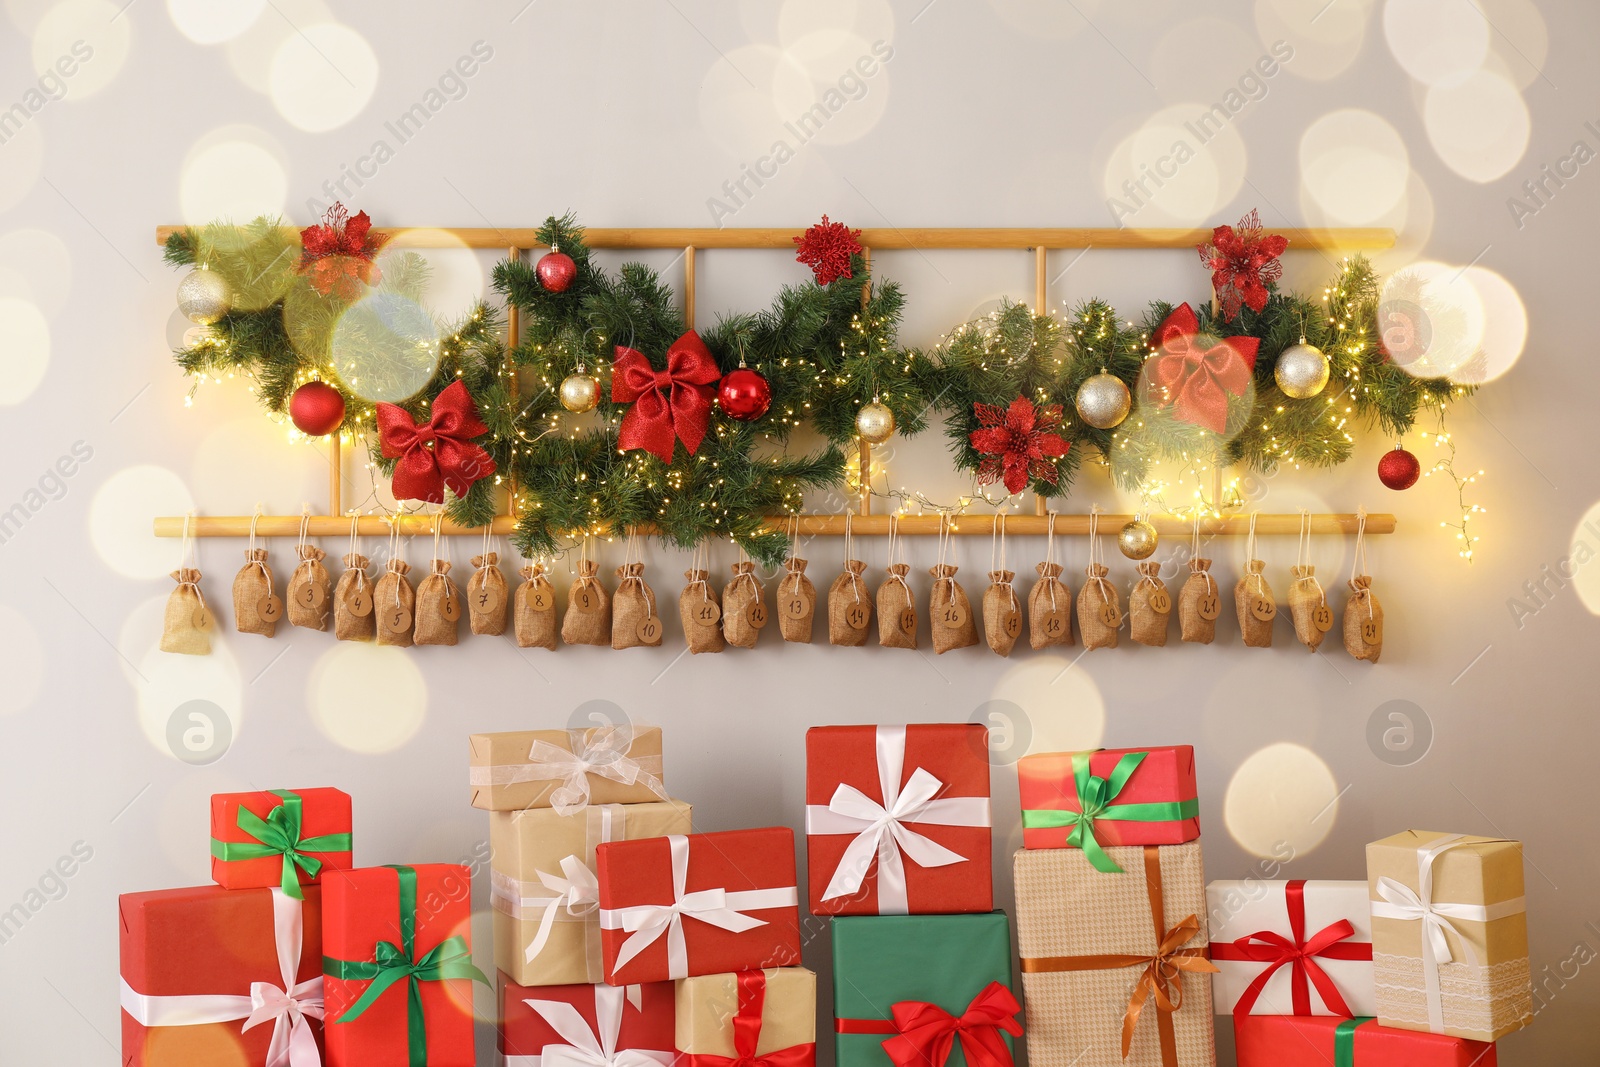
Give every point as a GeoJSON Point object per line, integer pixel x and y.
{"type": "Point", "coordinates": [907, 981]}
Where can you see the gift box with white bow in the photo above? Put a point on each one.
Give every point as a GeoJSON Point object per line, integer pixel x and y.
{"type": "Point", "coordinates": [898, 819]}
{"type": "Point", "coordinates": [1291, 948]}
{"type": "Point", "coordinates": [543, 890]}
{"type": "Point", "coordinates": [672, 907]}
{"type": "Point", "coordinates": [213, 975]}
{"type": "Point", "coordinates": [566, 769]}
{"type": "Point", "coordinates": [586, 1025]}
{"type": "Point", "coordinates": [760, 1018]}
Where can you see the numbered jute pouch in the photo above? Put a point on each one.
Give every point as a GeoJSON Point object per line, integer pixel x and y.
{"type": "Point", "coordinates": [257, 607]}
{"type": "Point", "coordinates": [1308, 607]}
{"type": "Point", "coordinates": [534, 615]}
{"type": "Point", "coordinates": [849, 600]}
{"type": "Point", "coordinates": [1149, 606]}
{"type": "Point", "coordinates": [635, 622]}
{"type": "Point", "coordinates": [1199, 603]}
{"type": "Point", "coordinates": [797, 602]}
{"type": "Point", "coordinates": [1363, 615]}
{"type": "Point", "coordinates": [744, 610]}
{"type": "Point", "coordinates": [1254, 604]}
{"type": "Point", "coordinates": [700, 611]}
{"type": "Point", "coordinates": [1050, 600]}
{"type": "Point", "coordinates": [949, 611]}
{"type": "Point", "coordinates": [588, 618]}
{"type": "Point", "coordinates": [897, 608]}
{"type": "Point", "coordinates": [438, 607]}
{"type": "Point", "coordinates": [394, 604]}
{"type": "Point", "coordinates": [1099, 609]}
{"type": "Point", "coordinates": [487, 602]}
{"type": "Point", "coordinates": [352, 601]}
{"type": "Point", "coordinates": [186, 624]}
{"type": "Point", "coordinates": [310, 589]}
{"type": "Point", "coordinates": [1002, 613]}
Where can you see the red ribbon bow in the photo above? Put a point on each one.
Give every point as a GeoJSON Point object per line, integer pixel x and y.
{"type": "Point", "coordinates": [1275, 950]}
{"type": "Point", "coordinates": [1199, 380]}
{"type": "Point", "coordinates": [668, 405]}
{"type": "Point", "coordinates": [439, 452]}
{"type": "Point", "coordinates": [925, 1033]}
{"type": "Point", "coordinates": [747, 1034]}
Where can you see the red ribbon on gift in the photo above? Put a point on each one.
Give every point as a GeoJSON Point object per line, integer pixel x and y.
{"type": "Point", "coordinates": [1197, 379]}
{"type": "Point", "coordinates": [668, 405]}
{"type": "Point", "coordinates": [747, 1034]}
{"type": "Point", "coordinates": [1298, 953]}
{"type": "Point", "coordinates": [924, 1033]}
{"type": "Point", "coordinates": [439, 452]}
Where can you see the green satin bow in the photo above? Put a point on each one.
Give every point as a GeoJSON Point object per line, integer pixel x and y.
{"type": "Point", "coordinates": [390, 963]}
{"type": "Point", "coordinates": [279, 835]}
{"type": "Point", "coordinates": [1344, 1041]}
{"type": "Point", "coordinates": [1095, 795]}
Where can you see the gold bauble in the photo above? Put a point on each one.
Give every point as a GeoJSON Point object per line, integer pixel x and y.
{"type": "Point", "coordinates": [875, 423]}
{"type": "Point", "coordinates": [580, 392]}
{"type": "Point", "coordinates": [1103, 401]}
{"type": "Point", "coordinates": [1138, 539]}
{"type": "Point", "coordinates": [204, 296]}
{"type": "Point", "coordinates": [1301, 371]}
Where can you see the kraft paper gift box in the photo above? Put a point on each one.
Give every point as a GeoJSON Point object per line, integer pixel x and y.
{"type": "Point", "coordinates": [728, 1019]}
{"type": "Point", "coordinates": [1114, 963]}
{"type": "Point", "coordinates": [897, 819]}
{"type": "Point", "coordinates": [902, 983]}
{"type": "Point", "coordinates": [1324, 1041]}
{"type": "Point", "coordinates": [1133, 796]}
{"type": "Point", "coordinates": [679, 906]}
{"type": "Point", "coordinates": [197, 963]}
{"type": "Point", "coordinates": [1449, 934]}
{"type": "Point", "coordinates": [566, 769]}
{"type": "Point", "coordinates": [397, 961]}
{"type": "Point", "coordinates": [543, 890]}
{"type": "Point", "coordinates": [1291, 948]}
{"type": "Point", "coordinates": [586, 1024]}
{"type": "Point", "coordinates": [279, 837]}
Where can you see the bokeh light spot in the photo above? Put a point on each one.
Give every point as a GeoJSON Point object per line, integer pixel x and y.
{"type": "Point", "coordinates": [323, 76]}
{"type": "Point", "coordinates": [119, 520]}
{"type": "Point", "coordinates": [1326, 38]}
{"type": "Point", "coordinates": [1582, 566]}
{"type": "Point", "coordinates": [366, 697]}
{"type": "Point", "coordinates": [208, 22]}
{"type": "Point", "coordinates": [1479, 126]}
{"type": "Point", "coordinates": [1505, 327]}
{"type": "Point", "coordinates": [237, 178]}
{"type": "Point", "coordinates": [1437, 42]}
{"type": "Point", "coordinates": [1281, 796]}
{"type": "Point", "coordinates": [1354, 165]}
{"type": "Point", "coordinates": [1178, 169]}
{"type": "Point", "coordinates": [81, 45]}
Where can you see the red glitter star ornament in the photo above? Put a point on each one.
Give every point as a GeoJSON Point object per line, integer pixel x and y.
{"type": "Point", "coordinates": [1243, 260]}
{"type": "Point", "coordinates": [1017, 443]}
{"type": "Point", "coordinates": [336, 255]}
{"type": "Point", "coordinates": [826, 248]}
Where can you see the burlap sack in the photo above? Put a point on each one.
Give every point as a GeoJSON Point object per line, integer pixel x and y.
{"type": "Point", "coordinates": [849, 606]}
{"type": "Point", "coordinates": [588, 618]}
{"type": "Point", "coordinates": [438, 607]}
{"type": "Point", "coordinates": [534, 616]}
{"type": "Point", "coordinates": [1254, 604]}
{"type": "Point", "coordinates": [949, 611]}
{"type": "Point", "coordinates": [186, 625]}
{"type": "Point", "coordinates": [635, 618]}
{"type": "Point", "coordinates": [700, 611]}
{"type": "Point", "coordinates": [1305, 599]}
{"type": "Point", "coordinates": [797, 602]}
{"type": "Point", "coordinates": [1199, 603]}
{"type": "Point", "coordinates": [744, 610]}
{"type": "Point", "coordinates": [310, 589]}
{"type": "Point", "coordinates": [257, 607]}
{"type": "Point", "coordinates": [394, 604]}
{"type": "Point", "coordinates": [1099, 609]}
{"type": "Point", "coordinates": [487, 602]}
{"type": "Point", "coordinates": [353, 600]}
{"type": "Point", "coordinates": [1002, 613]}
{"type": "Point", "coordinates": [1050, 609]}
{"type": "Point", "coordinates": [897, 610]}
{"type": "Point", "coordinates": [1149, 606]}
{"type": "Point", "coordinates": [1363, 620]}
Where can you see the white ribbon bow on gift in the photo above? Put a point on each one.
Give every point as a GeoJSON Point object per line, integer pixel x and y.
{"type": "Point", "coordinates": [285, 1006]}
{"type": "Point", "coordinates": [880, 830]}
{"type": "Point", "coordinates": [721, 908]}
{"type": "Point", "coordinates": [586, 1047]}
{"type": "Point", "coordinates": [1400, 902]}
{"type": "Point", "coordinates": [604, 753]}
{"type": "Point", "coordinates": [577, 893]}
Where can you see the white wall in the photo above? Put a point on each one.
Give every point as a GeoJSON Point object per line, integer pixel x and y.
{"type": "Point", "coordinates": [1001, 113]}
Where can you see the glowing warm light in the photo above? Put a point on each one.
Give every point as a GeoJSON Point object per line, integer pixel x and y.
{"type": "Point", "coordinates": [1521, 41]}
{"type": "Point", "coordinates": [167, 682]}
{"type": "Point", "coordinates": [1479, 126]}
{"type": "Point", "coordinates": [1281, 796]}
{"type": "Point", "coordinates": [367, 698]}
{"type": "Point", "coordinates": [1355, 165]}
{"type": "Point", "coordinates": [232, 174]}
{"type": "Point", "coordinates": [252, 51]}
{"type": "Point", "coordinates": [323, 76]}
{"type": "Point", "coordinates": [1505, 327]}
{"type": "Point", "coordinates": [88, 37]}
{"type": "Point", "coordinates": [1065, 710]}
{"type": "Point", "coordinates": [855, 103]}
{"type": "Point", "coordinates": [745, 100]}
{"type": "Point", "coordinates": [1179, 168]}
{"type": "Point", "coordinates": [385, 347]}
{"type": "Point", "coordinates": [119, 521]}
{"type": "Point", "coordinates": [1435, 41]}
{"type": "Point", "coordinates": [1326, 40]}
{"type": "Point", "coordinates": [456, 279]}
{"type": "Point", "coordinates": [1579, 567]}
{"type": "Point", "coordinates": [24, 349]}
{"type": "Point", "coordinates": [23, 659]}
{"type": "Point", "coordinates": [1431, 320]}
{"type": "Point", "coordinates": [206, 22]}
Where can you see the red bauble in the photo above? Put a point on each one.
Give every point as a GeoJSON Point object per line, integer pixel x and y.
{"type": "Point", "coordinates": [316, 409]}
{"type": "Point", "coordinates": [1399, 469]}
{"type": "Point", "coordinates": [556, 271]}
{"type": "Point", "coordinates": [745, 394]}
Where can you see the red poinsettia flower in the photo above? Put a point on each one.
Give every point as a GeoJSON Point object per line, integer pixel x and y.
{"type": "Point", "coordinates": [1017, 443]}
{"type": "Point", "coordinates": [336, 255]}
{"type": "Point", "coordinates": [1243, 260]}
{"type": "Point", "coordinates": [826, 248]}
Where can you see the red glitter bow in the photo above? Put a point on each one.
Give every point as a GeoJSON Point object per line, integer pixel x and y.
{"type": "Point", "coordinates": [1017, 444]}
{"type": "Point", "coordinates": [438, 453]}
{"type": "Point", "coordinates": [336, 255]}
{"type": "Point", "coordinates": [668, 405]}
{"type": "Point", "coordinates": [1300, 954]}
{"type": "Point", "coordinates": [826, 248]}
{"type": "Point", "coordinates": [1198, 380]}
{"type": "Point", "coordinates": [1243, 260]}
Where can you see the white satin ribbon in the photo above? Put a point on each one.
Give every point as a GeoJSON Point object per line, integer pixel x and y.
{"type": "Point", "coordinates": [603, 752]}
{"type": "Point", "coordinates": [880, 830]}
{"type": "Point", "coordinates": [721, 908]}
{"type": "Point", "coordinates": [1400, 902]}
{"type": "Point", "coordinates": [286, 1006]}
{"type": "Point", "coordinates": [586, 1047]}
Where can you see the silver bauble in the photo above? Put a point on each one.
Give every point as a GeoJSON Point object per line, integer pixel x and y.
{"type": "Point", "coordinates": [875, 423]}
{"type": "Point", "coordinates": [1103, 401]}
{"type": "Point", "coordinates": [1301, 371]}
{"type": "Point", "coordinates": [1138, 539]}
{"type": "Point", "coordinates": [204, 296]}
{"type": "Point", "coordinates": [580, 392]}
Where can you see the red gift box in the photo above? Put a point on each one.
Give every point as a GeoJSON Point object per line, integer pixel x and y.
{"type": "Point", "coordinates": [278, 837]}
{"type": "Point", "coordinates": [1135, 796]}
{"type": "Point", "coordinates": [1321, 1040]}
{"type": "Point", "coordinates": [671, 907]}
{"type": "Point", "coordinates": [396, 939]}
{"type": "Point", "coordinates": [578, 1025]}
{"type": "Point", "coordinates": [897, 820]}
{"type": "Point", "coordinates": [198, 964]}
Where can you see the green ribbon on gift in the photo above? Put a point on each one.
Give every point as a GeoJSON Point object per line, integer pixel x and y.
{"type": "Point", "coordinates": [390, 963]}
{"type": "Point", "coordinates": [1344, 1041]}
{"type": "Point", "coordinates": [279, 835]}
{"type": "Point", "coordinates": [1095, 795]}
